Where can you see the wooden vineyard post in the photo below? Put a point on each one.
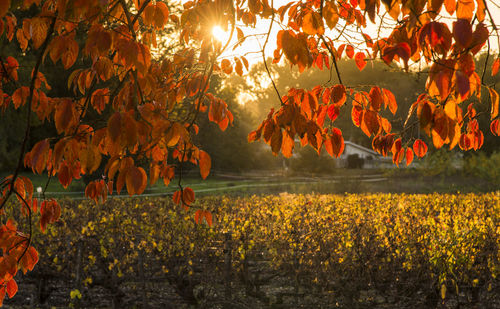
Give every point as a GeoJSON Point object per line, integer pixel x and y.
{"type": "Point", "coordinates": [227, 266]}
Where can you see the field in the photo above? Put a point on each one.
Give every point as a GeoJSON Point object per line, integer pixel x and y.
{"type": "Point", "coordinates": [272, 251]}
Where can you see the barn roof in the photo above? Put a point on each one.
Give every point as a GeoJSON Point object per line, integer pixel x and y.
{"type": "Point", "coordinates": [348, 143]}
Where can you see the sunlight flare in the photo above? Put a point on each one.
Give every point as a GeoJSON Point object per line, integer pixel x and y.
{"type": "Point", "coordinates": [219, 34]}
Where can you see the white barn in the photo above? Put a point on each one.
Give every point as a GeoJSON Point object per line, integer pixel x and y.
{"type": "Point", "coordinates": [371, 159]}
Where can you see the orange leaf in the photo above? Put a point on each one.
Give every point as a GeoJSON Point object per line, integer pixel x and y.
{"type": "Point", "coordinates": [376, 99]}
{"type": "Point", "coordinates": [356, 115]}
{"type": "Point", "coordinates": [495, 127]}
{"type": "Point", "coordinates": [188, 196]}
{"type": "Point", "coordinates": [370, 123]}
{"type": "Point", "coordinates": [495, 67]}
{"type": "Point", "coordinates": [29, 259]}
{"type": "Point", "coordinates": [64, 117]}
{"type": "Point", "coordinates": [386, 125]}
{"type": "Point", "coordinates": [450, 6]}
{"type": "Point", "coordinates": [4, 7]}
{"type": "Point", "coordinates": [205, 164]}
{"type": "Point", "coordinates": [11, 288]}
{"type": "Point", "coordinates": [359, 58]}
{"type": "Point", "coordinates": [390, 100]}
{"type": "Point", "coordinates": [136, 180]}
{"type": "Point", "coordinates": [64, 175]}
{"type": "Point", "coordinates": [465, 142]}
{"type": "Point", "coordinates": [338, 95]}
{"type": "Point", "coordinates": [288, 144]}
{"type": "Point", "coordinates": [494, 102]}
{"type": "Point", "coordinates": [409, 156]}
{"type": "Point", "coordinates": [312, 23]}
{"type": "Point", "coordinates": [465, 9]}
{"type": "Point", "coordinates": [177, 197]}
{"type": "Point", "coordinates": [208, 217]}
{"type": "Point", "coordinates": [330, 14]}
{"type": "Point", "coordinates": [238, 68]}
{"type": "Point", "coordinates": [197, 216]}
{"type": "Point", "coordinates": [39, 155]}
{"type": "Point", "coordinates": [420, 148]}
{"type": "Point", "coordinates": [114, 127]}
{"type": "Point", "coordinates": [276, 140]}
{"type": "Point", "coordinates": [70, 54]}
{"type": "Point", "coordinates": [226, 66]}
{"type": "Point", "coordinates": [333, 112]}
{"type": "Point", "coordinates": [425, 110]}
{"type": "Point", "coordinates": [38, 29]}
{"type": "Point", "coordinates": [349, 50]}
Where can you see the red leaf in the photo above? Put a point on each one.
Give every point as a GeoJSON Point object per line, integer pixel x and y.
{"type": "Point", "coordinates": [188, 196]}
{"type": "Point", "coordinates": [136, 180]}
{"type": "Point", "coordinates": [114, 127]}
{"type": "Point", "coordinates": [39, 155]}
{"type": "Point", "coordinates": [11, 288]}
{"type": "Point", "coordinates": [359, 58]}
{"type": "Point", "coordinates": [356, 115]}
{"type": "Point", "coordinates": [338, 95]}
{"type": "Point", "coordinates": [495, 127]}
{"type": "Point", "coordinates": [205, 164]}
{"type": "Point", "coordinates": [4, 7]}
{"type": "Point", "coordinates": [64, 175]}
{"type": "Point", "coordinates": [349, 51]}
{"type": "Point", "coordinates": [370, 123]}
{"type": "Point", "coordinates": [333, 112]}
{"type": "Point", "coordinates": [462, 32]}
{"type": "Point", "coordinates": [197, 216]}
{"type": "Point", "coordinates": [409, 156]}
{"type": "Point", "coordinates": [177, 197]}
{"type": "Point", "coordinates": [420, 148]}
{"type": "Point", "coordinates": [64, 117]}
{"type": "Point", "coordinates": [376, 99]}
{"type": "Point", "coordinates": [390, 100]}
{"type": "Point", "coordinates": [334, 145]}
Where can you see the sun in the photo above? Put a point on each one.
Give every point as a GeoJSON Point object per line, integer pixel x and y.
{"type": "Point", "coordinates": [219, 34]}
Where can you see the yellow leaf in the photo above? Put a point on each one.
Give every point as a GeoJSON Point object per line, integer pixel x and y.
{"type": "Point", "coordinates": [312, 24]}
{"type": "Point", "coordinates": [330, 14]}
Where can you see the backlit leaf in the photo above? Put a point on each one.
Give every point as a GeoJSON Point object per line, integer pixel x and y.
{"type": "Point", "coordinates": [409, 156]}
{"type": "Point", "coordinates": [330, 14]}
{"type": "Point", "coordinates": [359, 58]}
{"type": "Point", "coordinates": [420, 148]}
{"type": "Point", "coordinates": [188, 196]}
{"type": "Point", "coordinates": [11, 288]}
{"type": "Point", "coordinates": [312, 23]}
{"type": "Point", "coordinates": [465, 9]}
{"type": "Point", "coordinates": [494, 102]}
{"type": "Point", "coordinates": [495, 67]}
{"type": "Point", "coordinates": [205, 164]}
{"type": "Point", "coordinates": [495, 127]}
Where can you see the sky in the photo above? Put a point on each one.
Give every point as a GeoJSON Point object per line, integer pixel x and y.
{"type": "Point", "coordinates": [252, 46]}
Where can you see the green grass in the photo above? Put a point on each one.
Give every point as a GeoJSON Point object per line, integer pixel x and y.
{"type": "Point", "coordinates": [342, 181]}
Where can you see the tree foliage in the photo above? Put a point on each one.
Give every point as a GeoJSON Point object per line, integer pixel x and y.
{"type": "Point", "coordinates": [134, 98]}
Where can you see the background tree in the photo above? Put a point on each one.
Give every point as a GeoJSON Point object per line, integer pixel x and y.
{"type": "Point", "coordinates": [131, 100]}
